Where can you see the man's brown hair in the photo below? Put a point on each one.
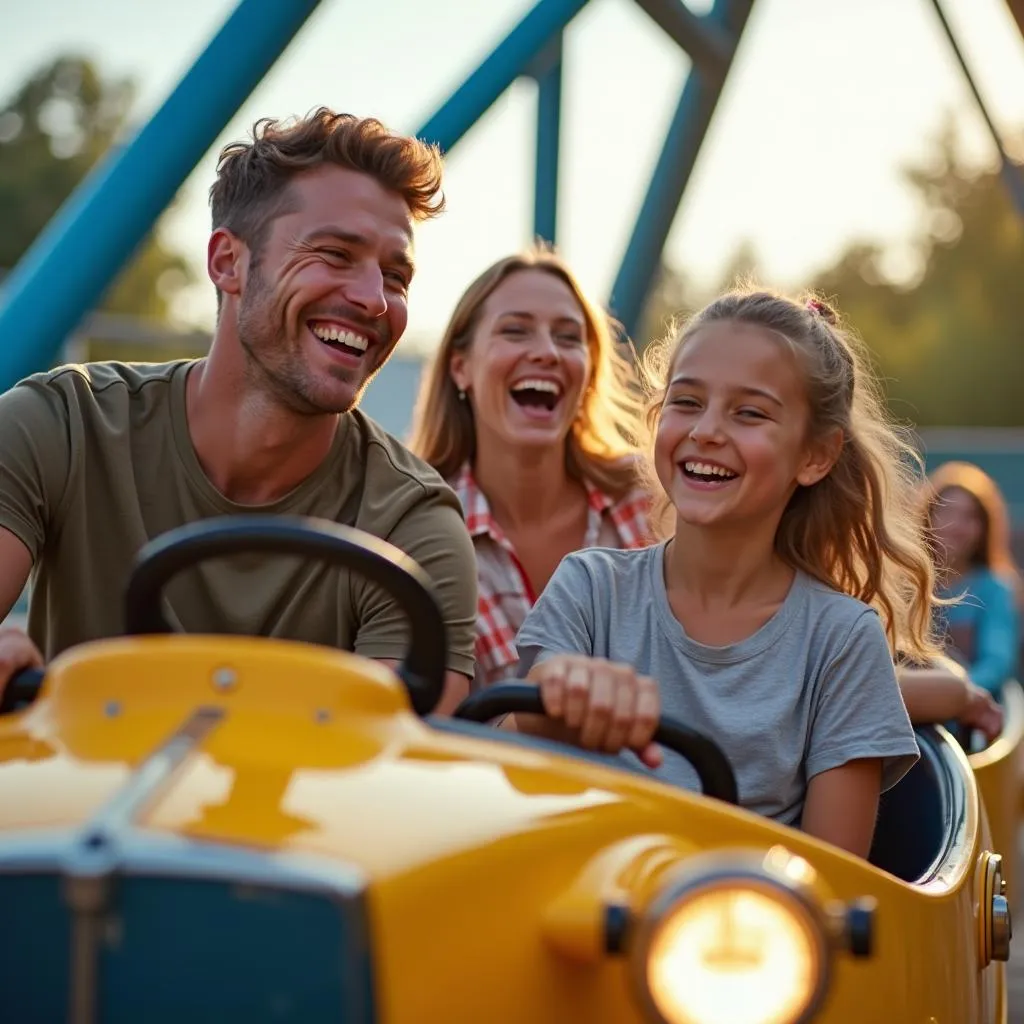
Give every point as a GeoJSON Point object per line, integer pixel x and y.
{"type": "Point", "coordinates": [251, 189]}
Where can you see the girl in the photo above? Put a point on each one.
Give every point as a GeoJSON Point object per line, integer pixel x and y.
{"type": "Point", "coordinates": [533, 419]}
{"type": "Point", "coordinates": [769, 616]}
{"type": "Point", "coordinates": [970, 527]}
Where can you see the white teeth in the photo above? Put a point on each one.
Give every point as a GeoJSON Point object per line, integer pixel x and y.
{"type": "Point", "coordinates": [535, 384]}
{"type": "Point", "coordinates": [347, 338]}
{"type": "Point", "coordinates": [706, 469]}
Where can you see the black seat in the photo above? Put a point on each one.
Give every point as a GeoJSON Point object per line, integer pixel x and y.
{"type": "Point", "coordinates": [919, 817]}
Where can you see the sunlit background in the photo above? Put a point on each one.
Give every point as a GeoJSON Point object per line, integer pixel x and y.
{"type": "Point", "coordinates": [847, 153]}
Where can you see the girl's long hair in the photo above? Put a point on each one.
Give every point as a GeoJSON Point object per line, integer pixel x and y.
{"type": "Point", "coordinates": [858, 529]}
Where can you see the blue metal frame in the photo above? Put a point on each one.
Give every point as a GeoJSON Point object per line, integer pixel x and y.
{"type": "Point", "coordinates": [81, 250]}
{"type": "Point", "coordinates": [498, 70]}
{"type": "Point", "coordinates": [549, 129]}
{"type": "Point", "coordinates": [1012, 174]}
{"type": "Point", "coordinates": [641, 262]}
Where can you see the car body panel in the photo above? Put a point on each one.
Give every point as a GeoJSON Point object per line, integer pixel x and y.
{"type": "Point", "coordinates": [487, 863]}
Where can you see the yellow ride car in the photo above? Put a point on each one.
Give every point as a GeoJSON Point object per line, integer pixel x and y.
{"type": "Point", "coordinates": [199, 828]}
{"type": "Point", "coordinates": [997, 771]}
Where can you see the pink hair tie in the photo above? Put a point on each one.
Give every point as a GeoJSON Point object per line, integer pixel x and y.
{"type": "Point", "coordinates": [819, 308]}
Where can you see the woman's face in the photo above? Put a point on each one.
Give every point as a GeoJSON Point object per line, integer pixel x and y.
{"type": "Point", "coordinates": [958, 522]}
{"type": "Point", "coordinates": [528, 364]}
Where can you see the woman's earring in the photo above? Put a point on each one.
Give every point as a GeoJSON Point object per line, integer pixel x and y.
{"type": "Point", "coordinates": [462, 395]}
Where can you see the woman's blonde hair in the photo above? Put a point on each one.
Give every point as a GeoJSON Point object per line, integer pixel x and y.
{"type": "Point", "coordinates": [604, 441]}
{"type": "Point", "coordinates": [858, 529]}
{"type": "Point", "coordinates": [994, 551]}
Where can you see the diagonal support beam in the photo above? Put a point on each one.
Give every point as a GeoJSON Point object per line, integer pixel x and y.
{"type": "Point", "coordinates": [1013, 174]}
{"type": "Point", "coordinates": [549, 129]}
{"type": "Point", "coordinates": [671, 174]}
{"type": "Point", "coordinates": [78, 254]}
{"type": "Point", "coordinates": [707, 45]}
{"type": "Point", "coordinates": [1017, 10]}
{"type": "Point", "coordinates": [505, 63]}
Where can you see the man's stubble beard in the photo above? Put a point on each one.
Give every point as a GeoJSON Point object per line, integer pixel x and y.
{"type": "Point", "coordinates": [261, 328]}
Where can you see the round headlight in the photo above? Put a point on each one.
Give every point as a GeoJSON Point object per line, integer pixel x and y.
{"type": "Point", "coordinates": [732, 950]}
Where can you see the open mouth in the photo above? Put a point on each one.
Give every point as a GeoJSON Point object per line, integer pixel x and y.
{"type": "Point", "coordinates": [340, 339]}
{"type": "Point", "coordinates": [537, 395]}
{"type": "Point", "coordinates": [707, 472]}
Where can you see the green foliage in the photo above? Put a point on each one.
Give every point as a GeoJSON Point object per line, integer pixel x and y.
{"type": "Point", "coordinates": [53, 131]}
{"type": "Point", "coordinates": [950, 342]}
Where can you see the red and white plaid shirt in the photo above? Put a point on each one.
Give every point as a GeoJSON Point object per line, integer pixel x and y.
{"type": "Point", "coordinates": [505, 594]}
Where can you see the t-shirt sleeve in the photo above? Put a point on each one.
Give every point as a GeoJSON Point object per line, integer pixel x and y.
{"type": "Point", "coordinates": [997, 639]}
{"type": "Point", "coordinates": [562, 618]}
{"type": "Point", "coordinates": [433, 533]}
{"type": "Point", "coordinates": [860, 711]}
{"type": "Point", "coordinates": [35, 462]}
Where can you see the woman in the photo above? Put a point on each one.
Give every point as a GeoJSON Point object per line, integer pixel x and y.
{"type": "Point", "coordinates": [971, 538]}
{"type": "Point", "coordinates": [533, 418]}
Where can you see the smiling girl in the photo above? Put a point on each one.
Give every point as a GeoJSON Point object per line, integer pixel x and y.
{"type": "Point", "coordinates": [970, 528]}
{"type": "Point", "coordinates": [529, 413]}
{"type": "Point", "coordinates": [768, 618]}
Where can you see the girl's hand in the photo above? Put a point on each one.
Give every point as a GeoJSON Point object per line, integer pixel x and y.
{"type": "Point", "coordinates": [982, 712]}
{"type": "Point", "coordinates": [606, 705]}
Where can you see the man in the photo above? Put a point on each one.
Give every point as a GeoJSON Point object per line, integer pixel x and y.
{"type": "Point", "coordinates": [311, 255]}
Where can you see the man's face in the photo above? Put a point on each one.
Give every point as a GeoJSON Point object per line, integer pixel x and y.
{"type": "Point", "coordinates": [324, 300]}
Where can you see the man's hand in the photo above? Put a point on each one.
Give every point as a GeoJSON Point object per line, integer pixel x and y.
{"type": "Point", "coordinates": [607, 706]}
{"type": "Point", "coordinates": [982, 712]}
{"type": "Point", "coordinates": [16, 653]}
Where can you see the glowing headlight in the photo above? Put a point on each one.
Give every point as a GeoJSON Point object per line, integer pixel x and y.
{"type": "Point", "coordinates": [734, 949]}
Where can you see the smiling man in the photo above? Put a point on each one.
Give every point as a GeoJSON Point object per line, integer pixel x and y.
{"type": "Point", "coordinates": [311, 256]}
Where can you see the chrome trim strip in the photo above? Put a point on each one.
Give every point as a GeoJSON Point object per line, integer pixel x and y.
{"type": "Point", "coordinates": [165, 855]}
{"type": "Point", "coordinates": [150, 776]}
{"type": "Point", "coordinates": [93, 857]}
{"type": "Point", "coordinates": [110, 845]}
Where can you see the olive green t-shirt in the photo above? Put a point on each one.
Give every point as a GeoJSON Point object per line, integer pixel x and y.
{"type": "Point", "coordinates": [96, 460]}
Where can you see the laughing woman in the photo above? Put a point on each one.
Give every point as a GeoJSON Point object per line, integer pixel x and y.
{"type": "Point", "coordinates": [532, 417]}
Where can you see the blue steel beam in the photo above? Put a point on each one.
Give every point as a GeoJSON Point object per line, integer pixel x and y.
{"type": "Point", "coordinates": [78, 254]}
{"type": "Point", "coordinates": [689, 125]}
{"type": "Point", "coordinates": [708, 46]}
{"type": "Point", "coordinates": [1013, 175]}
{"type": "Point", "coordinates": [506, 62]}
{"type": "Point", "coordinates": [549, 126]}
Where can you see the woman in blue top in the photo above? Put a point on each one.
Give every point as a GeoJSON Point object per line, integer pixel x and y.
{"type": "Point", "coordinates": [971, 538]}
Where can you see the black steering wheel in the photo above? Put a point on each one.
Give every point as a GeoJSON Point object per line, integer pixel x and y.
{"type": "Point", "coordinates": [716, 776]}
{"type": "Point", "coordinates": [422, 669]}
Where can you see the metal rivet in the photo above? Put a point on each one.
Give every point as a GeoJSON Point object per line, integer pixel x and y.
{"type": "Point", "coordinates": [112, 708]}
{"type": "Point", "coordinates": [617, 923]}
{"type": "Point", "coordinates": [225, 678]}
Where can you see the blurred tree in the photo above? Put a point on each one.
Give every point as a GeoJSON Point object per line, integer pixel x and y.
{"type": "Point", "coordinates": [676, 296]}
{"type": "Point", "coordinates": [672, 296]}
{"type": "Point", "coordinates": [55, 128]}
{"type": "Point", "coordinates": [950, 341]}
{"type": "Point", "coordinates": [948, 337]}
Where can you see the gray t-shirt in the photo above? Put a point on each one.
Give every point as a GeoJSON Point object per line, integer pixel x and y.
{"type": "Point", "coordinates": [813, 688]}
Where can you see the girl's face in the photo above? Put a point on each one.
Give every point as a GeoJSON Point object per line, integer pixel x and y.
{"type": "Point", "coordinates": [959, 525]}
{"type": "Point", "coordinates": [528, 364]}
{"type": "Point", "coordinates": [732, 442]}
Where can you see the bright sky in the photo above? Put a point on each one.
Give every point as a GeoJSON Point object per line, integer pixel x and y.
{"type": "Point", "coordinates": [827, 100]}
